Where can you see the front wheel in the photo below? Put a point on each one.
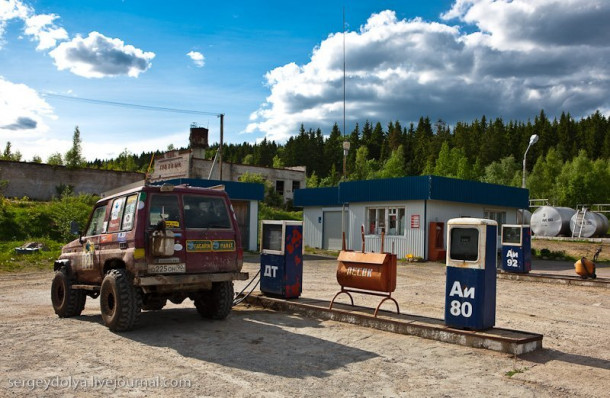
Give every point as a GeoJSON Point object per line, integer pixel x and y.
{"type": "Point", "coordinates": [120, 302]}
{"type": "Point", "coordinates": [67, 302]}
{"type": "Point", "coordinates": [215, 303]}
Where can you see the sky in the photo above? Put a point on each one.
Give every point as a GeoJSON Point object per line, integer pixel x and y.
{"type": "Point", "coordinates": [134, 75]}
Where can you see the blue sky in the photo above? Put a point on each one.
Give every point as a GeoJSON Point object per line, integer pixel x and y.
{"type": "Point", "coordinates": [271, 65]}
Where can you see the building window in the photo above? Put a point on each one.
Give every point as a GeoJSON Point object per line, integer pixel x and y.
{"type": "Point", "coordinates": [497, 216]}
{"type": "Point", "coordinates": [391, 220]}
{"type": "Point", "coordinates": [296, 185]}
{"type": "Point", "coordinates": [279, 187]}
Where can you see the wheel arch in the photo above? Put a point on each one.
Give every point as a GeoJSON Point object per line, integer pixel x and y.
{"type": "Point", "coordinates": [114, 263]}
{"type": "Point", "coordinates": [64, 262]}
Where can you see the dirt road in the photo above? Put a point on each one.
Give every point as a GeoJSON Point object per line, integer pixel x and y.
{"type": "Point", "coordinates": [261, 353]}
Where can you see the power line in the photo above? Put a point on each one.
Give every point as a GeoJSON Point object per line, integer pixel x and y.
{"type": "Point", "coordinates": [132, 106]}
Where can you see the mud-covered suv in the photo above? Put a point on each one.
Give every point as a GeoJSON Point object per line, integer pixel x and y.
{"type": "Point", "coordinates": [147, 245]}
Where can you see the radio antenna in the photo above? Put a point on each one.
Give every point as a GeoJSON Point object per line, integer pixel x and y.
{"type": "Point", "coordinates": [345, 141]}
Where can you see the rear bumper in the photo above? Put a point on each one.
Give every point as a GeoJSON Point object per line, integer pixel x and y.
{"type": "Point", "coordinates": [188, 282]}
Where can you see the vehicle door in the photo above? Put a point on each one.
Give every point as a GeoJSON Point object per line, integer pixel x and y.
{"type": "Point", "coordinates": [211, 238]}
{"type": "Point", "coordinates": [118, 237]}
{"type": "Point", "coordinates": [86, 262]}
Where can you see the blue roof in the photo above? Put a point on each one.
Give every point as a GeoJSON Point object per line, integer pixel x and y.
{"type": "Point", "coordinates": [317, 197]}
{"type": "Point", "coordinates": [235, 190]}
{"type": "Point", "coordinates": [415, 188]}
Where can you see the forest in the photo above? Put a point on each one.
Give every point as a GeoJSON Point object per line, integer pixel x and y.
{"type": "Point", "coordinates": [569, 165]}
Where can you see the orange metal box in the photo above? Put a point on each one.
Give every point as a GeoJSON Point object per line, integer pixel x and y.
{"type": "Point", "coordinates": [367, 271]}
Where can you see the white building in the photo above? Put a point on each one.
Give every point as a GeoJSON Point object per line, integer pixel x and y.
{"type": "Point", "coordinates": [412, 212]}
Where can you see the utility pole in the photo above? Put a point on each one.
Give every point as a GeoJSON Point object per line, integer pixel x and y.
{"type": "Point", "coordinates": [222, 118]}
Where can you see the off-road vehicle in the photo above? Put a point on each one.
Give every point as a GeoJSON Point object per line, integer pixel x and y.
{"type": "Point", "coordinates": [147, 245]}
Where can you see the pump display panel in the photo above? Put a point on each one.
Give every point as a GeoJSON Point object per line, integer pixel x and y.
{"type": "Point", "coordinates": [464, 244]}
{"type": "Point", "coordinates": [511, 235]}
{"type": "Point", "coordinates": [272, 237]}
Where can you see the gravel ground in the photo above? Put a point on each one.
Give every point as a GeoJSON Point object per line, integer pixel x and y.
{"type": "Point", "coordinates": [256, 352]}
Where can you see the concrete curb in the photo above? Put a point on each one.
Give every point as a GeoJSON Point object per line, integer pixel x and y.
{"type": "Point", "coordinates": [502, 340]}
{"type": "Point", "coordinates": [556, 279]}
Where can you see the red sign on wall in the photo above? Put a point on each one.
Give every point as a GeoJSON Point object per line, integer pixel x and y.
{"type": "Point", "coordinates": [415, 221]}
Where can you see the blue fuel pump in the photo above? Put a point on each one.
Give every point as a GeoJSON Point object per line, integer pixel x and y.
{"type": "Point", "coordinates": [282, 258]}
{"type": "Point", "coordinates": [470, 291]}
{"type": "Point", "coordinates": [516, 248]}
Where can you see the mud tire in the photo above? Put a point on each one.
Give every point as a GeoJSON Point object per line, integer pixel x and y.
{"type": "Point", "coordinates": [215, 303]}
{"type": "Point", "coordinates": [67, 302]}
{"type": "Point", "coordinates": [120, 301]}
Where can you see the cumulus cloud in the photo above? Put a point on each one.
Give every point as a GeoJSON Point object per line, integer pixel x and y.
{"type": "Point", "coordinates": [21, 108]}
{"type": "Point", "coordinates": [485, 57]}
{"type": "Point", "coordinates": [22, 123]}
{"type": "Point", "coordinates": [42, 28]}
{"type": "Point", "coordinates": [97, 56]}
{"type": "Point", "coordinates": [197, 58]}
{"type": "Point", "coordinates": [9, 10]}
{"type": "Point", "coordinates": [94, 56]}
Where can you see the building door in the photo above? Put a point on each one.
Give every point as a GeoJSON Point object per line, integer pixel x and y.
{"type": "Point", "coordinates": [241, 208]}
{"type": "Point", "coordinates": [331, 234]}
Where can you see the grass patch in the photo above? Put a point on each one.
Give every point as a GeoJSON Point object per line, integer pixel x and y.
{"type": "Point", "coordinates": [11, 261]}
{"type": "Point", "coordinates": [513, 372]}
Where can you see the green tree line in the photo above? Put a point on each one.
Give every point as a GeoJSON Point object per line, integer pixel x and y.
{"type": "Point", "coordinates": [568, 165]}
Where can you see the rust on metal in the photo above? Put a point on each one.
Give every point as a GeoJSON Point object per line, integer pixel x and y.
{"type": "Point", "coordinates": [368, 273]}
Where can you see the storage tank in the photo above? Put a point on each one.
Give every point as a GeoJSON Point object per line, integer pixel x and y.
{"type": "Point", "coordinates": [552, 221]}
{"type": "Point", "coordinates": [592, 224]}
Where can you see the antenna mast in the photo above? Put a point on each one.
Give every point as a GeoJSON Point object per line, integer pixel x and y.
{"type": "Point", "coordinates": [345, 141]}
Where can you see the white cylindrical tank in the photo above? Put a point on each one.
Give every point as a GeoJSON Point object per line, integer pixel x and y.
{"type": "Point", "coordinates": [552, 221]}
{"type": "Point", "coordinates": [592, 224]}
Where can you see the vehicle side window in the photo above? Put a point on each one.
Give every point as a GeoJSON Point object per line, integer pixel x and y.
{"type": "Point", "coordinates": [164, 207]}
{"type": "Point", "coordinates": [129, 214]}
{"type": "Point", "coordinates": [115, 215]}
{"type": "Point", "coordinates": [205, 212]}
{"type": "Point", "coordinates": [97, 224]}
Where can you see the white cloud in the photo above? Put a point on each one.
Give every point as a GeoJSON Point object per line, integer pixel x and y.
{"type": "Point", "coordinates": [99, 56]}
{"type": "Point", "coordinates": [513, 59]}
{"type": "Point", "coordinates": [42, 28]}
{"type": "Point", "coordinates": [21, 110]}
{"type": "Point", "coordinates": [197, 58]}
{"type": "Point", "coordinates": [531, 25]}
{"type": "Point", "coordinates": [9, 10]}
{"type": "Point", "coordinates": [39, 27]}
{"type": "Point", "coordinates": [94, 56]}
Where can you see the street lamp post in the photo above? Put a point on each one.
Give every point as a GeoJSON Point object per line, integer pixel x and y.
{"type": "Point", "coordinates": [533, 140]}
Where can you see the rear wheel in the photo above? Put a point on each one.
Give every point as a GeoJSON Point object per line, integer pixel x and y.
{"type": "Point", "coordinates": [67, 302]}
{"type": "Point", "coordinates": [215, 303]}
{"type": "Point", "coordinates": [120, 302]}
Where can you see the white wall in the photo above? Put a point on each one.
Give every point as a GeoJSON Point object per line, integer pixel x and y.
{"type": "Point", "coordinates": [441, 211]}
{"type": "Point", "coordinates": [312, 229]}
{"type": "Point", "coordinates": [413, 242]}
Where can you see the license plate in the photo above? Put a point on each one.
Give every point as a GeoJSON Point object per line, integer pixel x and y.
{"type": "Point", "coordinates": [166, 268]}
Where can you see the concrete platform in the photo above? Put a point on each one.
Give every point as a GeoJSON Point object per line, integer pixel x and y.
{"type": "Point", "coordinates": [557, 279]}
{"type": "Point", "coordinates": [496, 339]}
